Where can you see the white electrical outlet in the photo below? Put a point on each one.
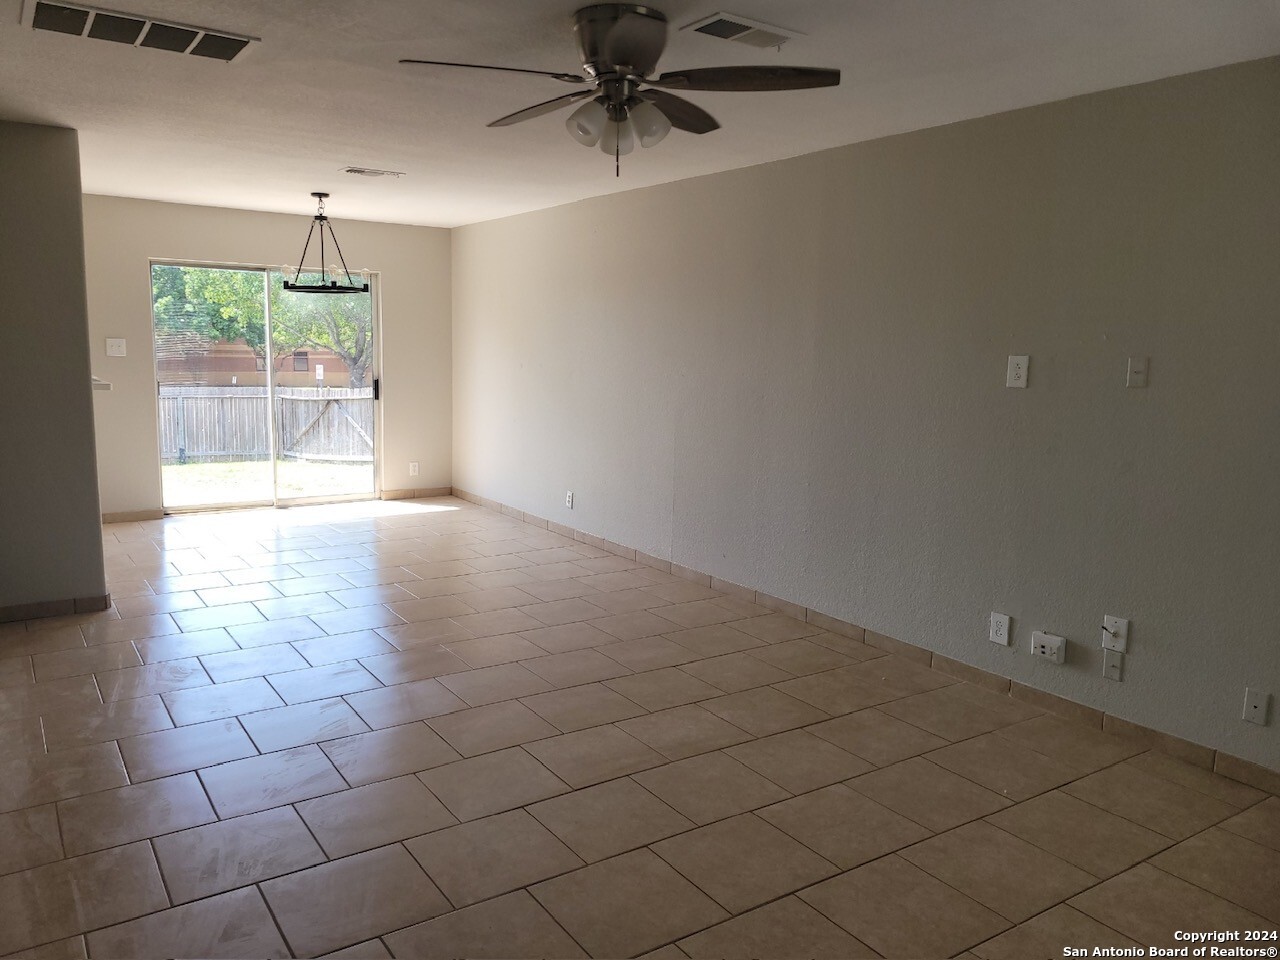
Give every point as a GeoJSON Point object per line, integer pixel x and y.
{"type": "Point", "coordinates": [1000, 628]}
{"type": "Point", "coordinates": [1113, 665]}
{"type": "Point", "coordinates": [1115, 634]}
{"type": "Point", "coordinates": [1256, 704]}
{"type": "Point", "coordinates": [1019, 367]}
{"type": "Point", "coordinates": [1048, 647]}
{"type": "Point", "coordinates": [568, 499]}
{"type": "Point", "coordinates": [413, 468]}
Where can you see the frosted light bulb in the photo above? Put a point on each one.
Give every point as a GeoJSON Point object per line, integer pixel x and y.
{"type": "Point", "coordinates": [587, 123]}
{"type": "Point", "coordinates": [619, 139]}
{"type": "Point", "coordinates": [652, 125]}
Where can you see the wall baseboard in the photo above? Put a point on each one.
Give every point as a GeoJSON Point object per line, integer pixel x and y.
{"type": "Point", "coordinates": [415, 494]}
{"type": "Point", "coordinates": [133, 516]}
{"type": "Point", "coordinates": [1207, 758]}
{"type": "Point", "coordinates": [54, 608]}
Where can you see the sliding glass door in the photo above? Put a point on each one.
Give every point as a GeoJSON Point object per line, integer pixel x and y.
{"type": "Point", "coordinates": [265, 396]}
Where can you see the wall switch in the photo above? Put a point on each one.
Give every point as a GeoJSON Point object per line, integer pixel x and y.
{"type": "Point", "coordinates": [1000, 629]}
{"type": "Point", "coordinates": [1048, 647]}
{"type": "Point", "coordinates": [568, 499]}
{"type": "Point", "coordinates": [1256, 706]}
{"type": "Point", "coordinates": [1019, 367]}
{"type": "Point", "coordinates": [413, 468]}
{"type": "Point", "coordinates": [1115, 634]}
{"type": "Point", "coordinates": [115, 347]}
{"type": "Point", "coordinates": [1113, 665]}
{"type": "Point", "coordinates": [1137, 373]}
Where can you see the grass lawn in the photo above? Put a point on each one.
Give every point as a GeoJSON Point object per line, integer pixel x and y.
{"type": "Point", "coordinates": [198, 484]}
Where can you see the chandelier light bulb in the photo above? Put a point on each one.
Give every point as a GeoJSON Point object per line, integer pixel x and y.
{"type": "Point", "coordinates": [619, 139]}
{"type": "Point", "coordinates": [587, 123]}
{"type": "Point", "coordinates": [651, 124]}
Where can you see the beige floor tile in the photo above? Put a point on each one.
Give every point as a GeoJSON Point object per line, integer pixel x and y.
{"type": "Point", "coordinates": [368, 950]}
{"type": "Point", "coordinates": [112, 818]}
{"type": "Point", "coordinates": [201, 704]}
{"type": "Point", "coordinates": [49, 640]}
{"type": "Point", "coordinates": [491, 727]}
{"type": "Point", "coordinates": [357, 618]}
{"type": "Point", "coordinates": [15, 671]}
{"type": "Point", "coordinates": [799, 657]}
{"type": "Point", "coordinates": [103, 722]}
{"type": "Point", "coordinates": [497, 622]}
{"type": "Point", "coordinates": [236, 924]}
{"type": "Point", "coordinates": [383, 754]}
{"type": "Point", "coordinates": [660, 689]}
{"type": "Point", "coordinates": [711, 787]}
{"type": "Point", "coordinates": [497, 598]}
{"type": "Point", "coordinates": [416, 663]}
{"type": "Point", "coordinates": [743, 862]}
{"type": "Point", "coordinates": [900, 911]}
{"type": "Point", "coordinates": [787, 928]}
{"type": "Point", "coordinates": [19, 738]}
{"type": "Point", "coordinates": [944, 714]}
{"type": "Point", "coordinates": [1231, 866]}
{"type": "Point", "coordinates": [492, 651]}
{"type": "Point", "coordinates": [44, 778]}
{"type": "Point", "coordinates": [493, 684]}
{"type": "Point", "coordinates": [87, 660]}
{"type": "Point", "coordinates": [492, 783]}
{"type": "Point", "coordinates": [238, 593]}
{"type": "Point", "coordinates": [683, 731]}
{"type": "Point", "coordinates": [139, 628]}
{"type": "Point", "coordinates": [513, 925]}
{"type": "Point", "coordinates": [71, 695]}
{"type": "Point", "coordinates": [627, 905]}
{"type": "Point", "coordinates": [230, 615]}
{"type": "Point", "coordinates": [151, 679]}
{"type": "Point", "coordinates": [699, 613]}
{"type": "Point", "coordinates": [182, 646]}
{"type": "Point", "coordinates": [777, 628]}
{"type": "Point", "coordinates": [681, 591]}
{"type": "Point", "coordinates": [576, 708]}
{"type": "Point", "coordinates": [322, 650]}
{"type": "Point", "coordinates": [296, 606]}
{"type": "Point", "coordinates": [346, 901]}
{"type": "Point", "coordinates": [28, 838]}
{"type": "Point", "coordinates": [319, 683]}
{"type": "Point", "coordinates": [1197, 778]}
{"type": "Point", "coordinates": [1080, 833]}
{"type": "Point", "coordinates": [430, 608]}
{"type": "Point", "coordinates": [556, 613]}
{"type": "Point", "coordinates": [1003, 766]}
{"type": "Point", "coordinates": [843, 826]}
{"type": "Point", "coordinates": [593, 756]}
{"type": "Point", "coordinates": [1071, 743]}
{"type": "Point", "coordinates": [301, 723]}
{"type": "Point", "coordinates": [255, 662]}
{"type": "Point", "coordinates": [1261, 824]}
{"type": "Point", "coordinates": [566, 638]}
{"type": "Point", "coordinates": [876, 737]}
{"type": "Point", "coordinates": [373, 815]}
{"type": "Point", "coordinates": [277, 631]}
{"type": "Point", "coordinates": [62, 899]}
{"type": "Point", "coordinates": [837, 691]}
{"type": "Point", "coordinates": [575, 667]}
{"type": "Point", "coordinates": [1045, 936]}
{"type": "Point", "coordinates": [798, 761]}
{"type": "Point", "coordinates": [735, 672]}
{"type": "Point", "coordinates": [404, 703]}
{"type": "Point", "coordinates": [611, 818]}
{"type": "Point", "coordinates": [928, 794]}
{"type": "Point", "coordinates": [428, 633]}
{"type": "Point", "coordinates": [621, 601]}
{"type": "Point", "coordinates": [1152, 802]}
{"type": "Point", "coordinates": [669, 952]}
{"type": "Point", "coordinates": [1010, 876]}
{"type": "Point", "coordinates": [555, 571]}
{"type": "Point", "coordinates": [900, 677]}
{"type": "Point", "coordinates": [259, 783]}
{"type": "Point", "coordinates": [1150, 906]}
{"type": "Point", "coordinates": [634, 625]}
{"type": "Point", "coordinates": [386, 594]}
{"type": "Point", "coordinates": [648, 653]}
{"type": "Point", "coordinates": [72, 948]}
{"type": "Point", "coordinates": [235, 853]}
{"type": "Point", "coordinates": [483, 858]}
{"type": "Point", "coordinates": [764, 711]}
{"type": "Point", "coordinates": [714, 640]}
{"type": "Point", "coordinates": [615, 581]}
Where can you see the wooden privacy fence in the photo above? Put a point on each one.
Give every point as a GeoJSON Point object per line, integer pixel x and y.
{"type": "Point", "coordinates": [210, 424]}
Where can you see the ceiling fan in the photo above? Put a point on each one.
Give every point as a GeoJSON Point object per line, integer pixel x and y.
{"type": "Point", "coordinates": [620, 45]}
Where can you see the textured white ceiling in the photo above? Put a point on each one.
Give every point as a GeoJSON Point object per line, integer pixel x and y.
{"type": "Point", "coordinates": [323, 91]}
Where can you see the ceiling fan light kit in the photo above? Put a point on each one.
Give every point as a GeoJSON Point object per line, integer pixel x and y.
{"type": "Point", "coordinates": [620, 45]}
{"type": "Point", "coordinates": [328, 275]}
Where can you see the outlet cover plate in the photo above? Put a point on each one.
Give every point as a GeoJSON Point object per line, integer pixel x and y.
{"type": "Point", "coordinates": [1000, 629]}
{"type": "Point", "coordinates": [1049, 647]}
{"type": "Point", "coordinates": [1113, 665]}
{"type": "Point", "coordinates": [1256, 706]}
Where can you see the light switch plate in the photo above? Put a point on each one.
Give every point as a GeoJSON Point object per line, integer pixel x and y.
{"type": "Point", "coordinates": [1019, 368]}
{"type": "Point", "coordinates": [1113, 665]}
{"type": "Point", "coordinates": [115, 347]}
{"type": "Point", "coordinates": [1115, 634]}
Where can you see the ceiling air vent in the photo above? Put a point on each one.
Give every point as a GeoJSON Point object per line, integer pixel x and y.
{"type": "Point", "coordinates": [730, 26]}
{"type": "Point", "coordinates": [97, 24]}
{"type": "Point", "coordinates": [371, 172]}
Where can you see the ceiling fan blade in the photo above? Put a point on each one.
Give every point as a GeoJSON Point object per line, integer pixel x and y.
{"type": "Point", "coordinates": [565, 77]}
{"type": "Point", "coordinates": [636, 41]}
{"type": "Point", "coordinates": [748, 78]}
{"type": "Point", "coordinates": [538, 109]}
{"type": "Point", "coordinates": [682, 114]}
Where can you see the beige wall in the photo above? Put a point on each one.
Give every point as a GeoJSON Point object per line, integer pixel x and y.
{"type": "Point", "coordinates": [121, 236]}
{"type": "Point", "coordinates": [50, 540]}
{"type": "Point", "coordinates": [792, 377]}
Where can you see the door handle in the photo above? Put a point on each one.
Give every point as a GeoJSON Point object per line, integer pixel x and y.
{"type": "Point", "coordinates": [377, 389]}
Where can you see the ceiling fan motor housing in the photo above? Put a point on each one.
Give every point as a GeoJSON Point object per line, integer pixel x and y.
{"type": "Point", "coordinates": [592, 26]}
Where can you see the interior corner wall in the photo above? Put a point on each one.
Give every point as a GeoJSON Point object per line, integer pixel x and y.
{"type": "Point", "coordinates": [50, 536]}
{"type": "Point", "coordinates": [123, 235]}
{"type": "Point", "coordinates": [792, 377]}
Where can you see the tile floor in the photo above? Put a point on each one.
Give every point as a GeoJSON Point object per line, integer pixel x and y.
{"type": "Point", "coordinates": [427, 729]}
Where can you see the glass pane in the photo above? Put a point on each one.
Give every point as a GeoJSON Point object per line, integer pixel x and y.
{"type": "Point", "coordinates": [210, 340]}
{"type": "Point", "coordinates": [323, 357]}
